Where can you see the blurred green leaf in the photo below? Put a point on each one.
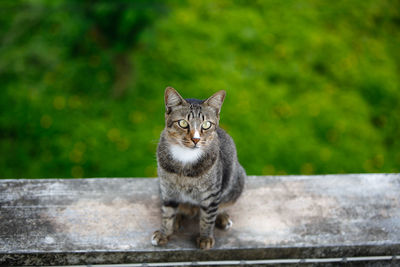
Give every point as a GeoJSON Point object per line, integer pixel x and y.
{"type": "Point", "coordinates": [312, 87]}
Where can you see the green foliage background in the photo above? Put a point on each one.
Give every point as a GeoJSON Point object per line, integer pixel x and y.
{"type": "Point", "coordinates": [312, 86]}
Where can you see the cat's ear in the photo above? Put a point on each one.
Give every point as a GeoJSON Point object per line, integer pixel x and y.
{"type": "Point", "coordinates": [216, 100]}
{"type": "Point", "coordinates": [172, 99]}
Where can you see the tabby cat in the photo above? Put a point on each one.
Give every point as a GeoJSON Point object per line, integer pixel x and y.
{"type": "Point", "coordinates": [198, 167]}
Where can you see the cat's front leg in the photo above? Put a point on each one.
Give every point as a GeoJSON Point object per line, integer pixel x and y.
{"type": "Point", "coordinates": [168, 213]}
{"type": "Point", "coordinates": [208, 215]}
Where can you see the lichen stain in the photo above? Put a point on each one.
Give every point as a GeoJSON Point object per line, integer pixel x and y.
{"type": "Point", "coordinates": [89, 217]}
{"type": "Point", "coordinates": [276, 210]}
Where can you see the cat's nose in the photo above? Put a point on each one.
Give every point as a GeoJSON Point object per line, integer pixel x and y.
{"type": "Point", "coordinates": [195, 136]}
{"type": "Point", "coordinates": [195, 140]}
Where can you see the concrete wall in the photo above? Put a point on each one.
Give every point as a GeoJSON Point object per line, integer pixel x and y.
{"type": "Point", "coordinates": [110, 220]}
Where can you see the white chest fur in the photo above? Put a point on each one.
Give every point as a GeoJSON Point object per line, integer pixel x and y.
{"type": "Point", "coordinates": [185, 154]}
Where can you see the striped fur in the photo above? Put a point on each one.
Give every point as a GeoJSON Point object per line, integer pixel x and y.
{"type": "Point", "coordinates": [211, 178]}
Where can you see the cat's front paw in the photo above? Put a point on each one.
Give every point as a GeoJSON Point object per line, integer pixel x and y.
{"type": "Point", "coordinates": [204, 242]}
{"type": "Point", "coordinates": [159, 239]}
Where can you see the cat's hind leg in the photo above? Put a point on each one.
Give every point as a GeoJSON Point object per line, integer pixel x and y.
{"type": "Point", "coordinates": [188, 210]}
{"type": "Point", "coordinates": [223, 221]}
{"type": "Point", "coordinates": [185, 210]}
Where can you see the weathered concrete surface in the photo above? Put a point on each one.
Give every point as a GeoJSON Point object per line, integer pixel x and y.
{"type": "Point", "coordinates": [100, 221]}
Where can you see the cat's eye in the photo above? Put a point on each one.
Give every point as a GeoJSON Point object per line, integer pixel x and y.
{"type": "Point", "coordinates": [183, 123]}
{"type": "Point", "coordinates": [206, 125]}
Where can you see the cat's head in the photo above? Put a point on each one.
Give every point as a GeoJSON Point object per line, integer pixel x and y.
{"type": "Point", "coordinates": [191, 123]}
